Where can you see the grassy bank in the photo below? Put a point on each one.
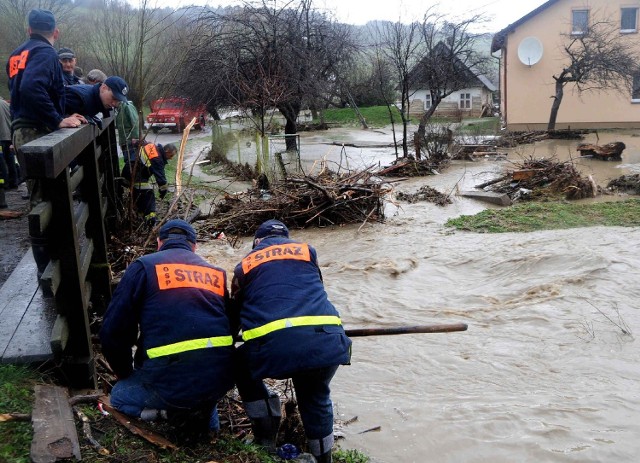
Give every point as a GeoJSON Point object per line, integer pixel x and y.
{"type": "Point", "coordinates": [378, 116]}
{"type": "Point", "coordinates": [529, 217]}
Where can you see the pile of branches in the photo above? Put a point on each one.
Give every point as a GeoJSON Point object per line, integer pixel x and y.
{"type": "Point", "coordinates": [426, 193]}
{"type": "Point", "coordinates": [544, 178]}
{"type": "Point", "coordinates": [300, 202]}
{"type": "Point", "coordinates": [410, 167]}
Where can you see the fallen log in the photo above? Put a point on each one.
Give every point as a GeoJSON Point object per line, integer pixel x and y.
{"type": "Point", "coordinates": [609, 152]}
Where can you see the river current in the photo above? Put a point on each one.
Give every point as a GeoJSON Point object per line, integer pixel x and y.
{"type": "Point", "coordinates": [548, 368]}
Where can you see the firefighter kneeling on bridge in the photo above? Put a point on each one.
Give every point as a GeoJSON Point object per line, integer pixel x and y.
{"type": "Point", "coordinates": [171, 305]}
{"type": "Point", "coordinates": [150, 160]}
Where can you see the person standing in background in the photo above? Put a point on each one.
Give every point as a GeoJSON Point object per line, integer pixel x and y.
{"type": "Point", "coordinates": [68, 61]}
{"type": "Point", "coordinates": [128, 130]}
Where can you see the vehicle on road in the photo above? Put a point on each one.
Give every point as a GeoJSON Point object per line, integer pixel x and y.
{"type": "Point", "coordinates": [175, 113]}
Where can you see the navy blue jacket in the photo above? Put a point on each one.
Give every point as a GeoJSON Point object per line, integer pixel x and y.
{"type": "Point", "coordinates": [36, 85]}
{"type": "Point", "coordinates": [170, 297]}
{"type": "Point", "coordinates": [154, 167]}
{"type": "Point", "coordinates": [279, 280]}
{"type": "Point", "coordinates": [84, 99]}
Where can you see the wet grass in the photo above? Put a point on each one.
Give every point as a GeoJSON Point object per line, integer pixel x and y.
{"type": "Point", "coordinates": [551, 215]}
{"type": "Point", "coordinates": [17, 396]}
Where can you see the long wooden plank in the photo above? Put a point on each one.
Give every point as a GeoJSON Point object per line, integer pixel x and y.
{"type": "Point", "coordinates": [54, 430]}
{"type": "Point", "coordinates": [15, 296]}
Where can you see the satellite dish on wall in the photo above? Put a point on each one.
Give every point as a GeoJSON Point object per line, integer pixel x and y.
{"type": "Point", "coordinates": [530, 51]}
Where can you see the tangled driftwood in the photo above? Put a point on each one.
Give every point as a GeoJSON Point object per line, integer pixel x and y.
{"type": "Point", "coordinates": [300, 202]}
{"type": "Point", "coordinates": [536, 178]}
{"type": "Point", "coordinates": [425, 193]}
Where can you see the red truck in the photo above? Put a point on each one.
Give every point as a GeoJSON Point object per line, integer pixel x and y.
{"type": "Point", "coordinates": [175, 113]}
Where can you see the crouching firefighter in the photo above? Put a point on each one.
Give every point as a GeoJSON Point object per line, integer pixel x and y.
{"type": "Point", "coordinates": [171, 305]}
{"type": "Point", "coordinates": [290, 330]}
{"type": "Point", "coordinates": [150, 160]}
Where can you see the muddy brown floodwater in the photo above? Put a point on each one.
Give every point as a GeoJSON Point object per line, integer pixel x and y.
{"type": "Point", "coordinates": [548, 369]}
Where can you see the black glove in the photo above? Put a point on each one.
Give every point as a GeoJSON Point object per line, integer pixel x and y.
{"type": "Point", "coordinates": [163, 193]}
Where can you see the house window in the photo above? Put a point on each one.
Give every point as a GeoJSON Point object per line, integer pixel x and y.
{"type": "Point", "coordinates": [628, 20]}
{"type": "Point", "coordinates": [427, 101]}
{"type": "Point", "coordinates": [635, 91]}
{"type": "Point", "coordinates": [579, 21]}
{"type": "Point", "coordinates": [465, 101]}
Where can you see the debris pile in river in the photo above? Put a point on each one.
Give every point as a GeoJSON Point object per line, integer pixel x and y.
{"type": "Point", "coordinates": [425, 193]}
{"type": "Point", "coordinates": [409, 167]}
{"type": "Point", "coordinates": [299, 202]}
{"type": "Point", "coordinates": [609, 152]}
{"type": "Point", "coordinates": [541, 178]}
{"type": "Point", "coordinates": [627, 183]}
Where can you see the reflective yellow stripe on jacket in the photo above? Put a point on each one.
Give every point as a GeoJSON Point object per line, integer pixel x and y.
{"type": "Point", "coordinates": [192, 344]}
{"type": "Point", "coordinates": [288, 323]}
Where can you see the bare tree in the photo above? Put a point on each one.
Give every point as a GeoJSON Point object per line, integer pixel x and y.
{"type": "Point", "coordinates": [275, 57]}
{"type": "Point", "coordinates": [597, 59]}
{"type": "Point", "coordinates": [135, 43]}
{"type": "Point", "coordinates": [451, 61]}
{"type": "Point", "coordinates": [401, 44]}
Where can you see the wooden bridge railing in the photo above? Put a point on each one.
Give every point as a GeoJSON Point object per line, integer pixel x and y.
{"type": "Point", "coordinates": [75, 170]}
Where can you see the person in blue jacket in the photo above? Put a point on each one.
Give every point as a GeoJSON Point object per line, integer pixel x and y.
{"type": "Point", "coordinates": [36, 83]}
{"type": "Point", "coordinates": [150, 160]}
{"type": "Point", "coordinates": [92, 100]}
{"type": "Point", "coordinates": [171, 305]}
{"type": "Point", "coordinates": [68, 62]}
{"type": "Point", "coordinates": [290, 330]}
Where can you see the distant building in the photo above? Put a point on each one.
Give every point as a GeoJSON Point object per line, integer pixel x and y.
{"type": "Point", "coordinates": [530, 52]}
{"type": "Point", "coordinates": [470, 101]}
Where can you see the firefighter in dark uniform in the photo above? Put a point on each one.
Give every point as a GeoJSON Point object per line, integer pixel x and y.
{"type": "Point", "coordinates": [290, 330]}
{"type": "Point", "coordinates": [93, 100]}
{"type": "Point", "coordinates": [150, 161]}
{"type": "Point", "coordinates": [171, 305]}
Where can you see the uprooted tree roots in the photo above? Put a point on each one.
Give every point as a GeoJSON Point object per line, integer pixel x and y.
{"type": "Point", "coordinates": [538, 178]}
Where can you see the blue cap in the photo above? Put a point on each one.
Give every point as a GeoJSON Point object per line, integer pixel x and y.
{"type": "Point", "coordinates": [66, 53]}
{"type": "Point", "coordinates": [272, 228]}
{"type": "Point", "coordinates": [168, 232]}
{"type": "Point", "coordinates": [118, 86]}
{"type": "Point", "coordinates": [42, 20]}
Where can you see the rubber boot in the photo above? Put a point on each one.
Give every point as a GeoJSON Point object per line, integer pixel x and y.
{"type": "Point", "coordinates": [3, 201]}
{"type": "Point", "coordinates": [265, 416]}
{"type": "Point", "coordinates": [324, 458]}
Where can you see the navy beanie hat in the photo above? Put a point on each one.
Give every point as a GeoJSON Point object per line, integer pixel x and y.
{"type": "Point", "coordinates": [189, 232]}
{"type": "Point", "coordinates": [42, 20]}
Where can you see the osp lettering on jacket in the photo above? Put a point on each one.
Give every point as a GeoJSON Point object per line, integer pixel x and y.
{"type": "Point", "coordinates": [172, 276]}
{"type": "Point", "coordinates": [288, 251]}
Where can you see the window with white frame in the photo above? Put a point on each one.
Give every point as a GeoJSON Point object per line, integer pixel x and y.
{"type": "Point", "coordinates": [579, 22]}
{"type": "Point", "coordinates": [628, 20]}
{"type": "Point", "coordinates": [465, 101]}
{"type": "Point", "coordinates": [427, 101]}
{"type": "Point", "coordinates": [635, 91]}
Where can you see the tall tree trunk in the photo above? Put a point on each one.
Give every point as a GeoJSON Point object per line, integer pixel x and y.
{"type": "Point", "coordinates": [422, 127]}
{"type": "Point", "coordinates": [290, 112]}
{"type": "Point", "coordinates": [555, 106]}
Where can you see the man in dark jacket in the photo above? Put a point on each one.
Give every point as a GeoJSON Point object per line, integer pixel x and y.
{"type": "Point", "coordinates": [290, 330]}
{"type": "Point", "coordinates": [36, 83]}
{"type": "Point", "coordinates": [171, 305]}
{"type": "Point", "coordinates": [150, 160]}
{"type": "Point", "coordinates": [93, 100]}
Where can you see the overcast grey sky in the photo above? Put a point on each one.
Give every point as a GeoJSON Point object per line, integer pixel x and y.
{"type": "Point", "coordinates": [500, 12]}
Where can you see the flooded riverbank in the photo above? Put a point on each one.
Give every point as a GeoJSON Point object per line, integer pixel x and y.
{"type": "Point", "coordinates": [548, 368]}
